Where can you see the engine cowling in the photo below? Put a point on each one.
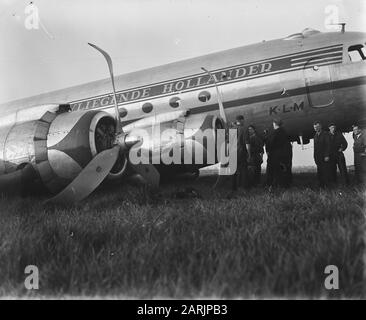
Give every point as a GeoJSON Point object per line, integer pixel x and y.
{"type": "Point", "coordinates": [194, 135]}
{"type": "Point", "coordinates": [73, 140]}
{"type": "Point", "coordinates": [58, 145]}
{"type": "Point", "coordinates": [201, 136]}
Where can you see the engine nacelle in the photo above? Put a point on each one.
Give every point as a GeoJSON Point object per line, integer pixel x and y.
{"type": "Point", "coordinates": [193, 139]}
{"type": "Point", "coordinates": [201, 137]}
{"type": "Point", "coordinates": [58, 145]}
{"type": "Point", "coordinates": [73, 140]}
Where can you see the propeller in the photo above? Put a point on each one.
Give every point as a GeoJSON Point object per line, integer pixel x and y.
{"type": "Point", "coordinates": [219, 96]}
{"type": "Point", "coordinates": [98, 168]}
{"type": "Point", "coordinates": [110, 67]}
{"type": "Point", "coordinates": [224, 118]}
{"type": "Point", "coordinates": [89, 178]}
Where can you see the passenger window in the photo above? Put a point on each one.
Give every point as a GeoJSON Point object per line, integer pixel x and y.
{"type": "Point", "coordinates": [357, 53]}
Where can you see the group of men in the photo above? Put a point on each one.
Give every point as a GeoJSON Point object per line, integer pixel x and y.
{"type": "Point", "coordinates": [250, 151]}
{"type": "Point", "coordinates": [328, 155]}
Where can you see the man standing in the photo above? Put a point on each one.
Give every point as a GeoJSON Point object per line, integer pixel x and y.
{"type": "Point", "coordinates": [279, 151]}
{"type": "Point", "coordinates": [338, 144]}
{"type": "Point", "coordinates": [240, 177]}
{"type": "Point", "coordinates": [255, 159]}
{"type": "Point", "coordinates": [322, 154]}
{"type": "Point", "coordinates": [359, 149]}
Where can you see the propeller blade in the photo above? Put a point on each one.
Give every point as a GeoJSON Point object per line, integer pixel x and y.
{"type": "Point", "coordinates": [89, 178]}
{"type": "Point", "coordinates": [219, 96]}
{"type": "Point", "coordinates": [149, 173]}
{"type": "Point", "coordinates": [230, 150]}
{"type": "Point", "coordinates": [110, 67]}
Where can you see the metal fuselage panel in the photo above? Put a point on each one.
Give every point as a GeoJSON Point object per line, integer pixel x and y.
{"type": "Point", "coordinates": [262, 81]}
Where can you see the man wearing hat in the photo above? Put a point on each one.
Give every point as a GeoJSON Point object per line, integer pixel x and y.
{"type": "Point", "coordinates": [359, 149]}
{"type": "Point", "coordinates": [322, 154]}
{"type": "Point", "coordinates": [279, 160]}
{"type": "Point", "coordinates": [338, 144]}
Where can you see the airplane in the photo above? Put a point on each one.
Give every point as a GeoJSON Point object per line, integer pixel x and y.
{"type": "Point", "coordinates": [70, 140]}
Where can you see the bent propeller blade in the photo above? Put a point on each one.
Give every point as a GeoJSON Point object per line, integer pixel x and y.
{"type": "Point", "coordinates": [219, 96]}
{"type": "Point", "coordinates": [110, 67]}
{"type": "Point", "coordinates": [88, 179]}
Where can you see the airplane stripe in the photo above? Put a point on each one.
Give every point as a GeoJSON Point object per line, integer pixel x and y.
{"type": "Point", "coordinates": [335, 53]}
{"type": "Point", "coordinates": [322, 63]}
{"type": "Point", "coordinates": [255, 77]}
{"type": "Point", "coordinates": [317, 52]}
{"type": "Point", "coordinates": [292, 55]}
{"type": "Point", "coordinates": [281, 62]}
{"type": "Point", "coordinates": [319, 60]}
{"type": "Point", "coordinates": [208, 86]}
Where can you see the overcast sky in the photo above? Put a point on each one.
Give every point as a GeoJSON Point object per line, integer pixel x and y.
{"type": "Point", "coordinates": [140, 34]}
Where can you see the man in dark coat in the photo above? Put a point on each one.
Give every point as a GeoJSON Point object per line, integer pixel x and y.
{"type": "Point", "coordinates": [322, 154]}
{"type": "Point", "coordinates": [279, 151]}
{"type": "Point", "coordinates": [240, 177]}
{"type": "Point", "coordinates": [255, 158]}
{"type": "Point", "coordinates": [359, 150]}
{"type": "Point", "coordinates": [338, 144]}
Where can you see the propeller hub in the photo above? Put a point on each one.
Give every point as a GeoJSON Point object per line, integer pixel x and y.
{"type": "Point", "coordinates": [126, 141]}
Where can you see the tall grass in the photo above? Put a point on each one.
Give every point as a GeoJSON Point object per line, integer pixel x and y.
{"type": "Point", "coordinates": [124, 242]}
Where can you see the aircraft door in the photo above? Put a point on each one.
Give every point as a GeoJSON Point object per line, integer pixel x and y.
{"type": "Point", "coordinates": [318, 83]}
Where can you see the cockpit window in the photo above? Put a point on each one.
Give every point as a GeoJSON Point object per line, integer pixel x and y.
{"type": "Point", "coordinates": [357, 53]}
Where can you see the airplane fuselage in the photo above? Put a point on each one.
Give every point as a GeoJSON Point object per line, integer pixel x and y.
{"type": "Point", "coordinates": [299, 79]}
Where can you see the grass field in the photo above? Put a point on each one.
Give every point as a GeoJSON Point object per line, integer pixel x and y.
{"type": "Point", "coordinates": [121, 242]}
